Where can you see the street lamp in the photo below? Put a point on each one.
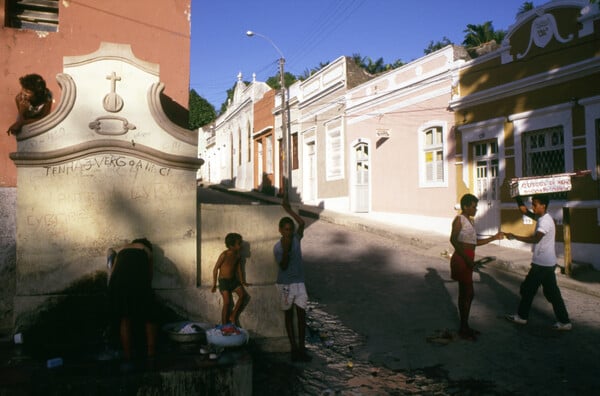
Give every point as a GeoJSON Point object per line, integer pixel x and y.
{"type": "Point", "coordinates": [285, 152]}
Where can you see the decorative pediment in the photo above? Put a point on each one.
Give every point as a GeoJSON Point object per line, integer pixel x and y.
{"type": "Point", "coordinates": [545, 28]}
{"type": "Point", "coordinates": [109, 93]}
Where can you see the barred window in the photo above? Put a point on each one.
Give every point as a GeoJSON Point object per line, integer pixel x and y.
{"type": "Point", "coordinates": [39, 15]}
{"type": "Point", "coordinates": [433, 155]}
{"type": "Point", "coordinates": [544, 151]}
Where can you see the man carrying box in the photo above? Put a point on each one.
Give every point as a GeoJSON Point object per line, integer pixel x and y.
{"type": "Point", "coordinates": [543, 263]}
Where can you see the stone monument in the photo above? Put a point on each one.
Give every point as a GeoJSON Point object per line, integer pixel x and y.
{"type": "Point", "coordinates": [106, 166]}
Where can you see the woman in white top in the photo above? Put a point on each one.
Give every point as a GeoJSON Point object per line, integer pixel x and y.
{"type": "Point", "coordinates": [464, 240]}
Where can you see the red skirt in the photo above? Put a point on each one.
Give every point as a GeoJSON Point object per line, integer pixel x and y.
{"type": "Point", "coordinates": [459, 270]}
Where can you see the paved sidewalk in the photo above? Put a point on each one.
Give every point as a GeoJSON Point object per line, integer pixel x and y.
{"type": "Point", "coordinates": [584, 278]}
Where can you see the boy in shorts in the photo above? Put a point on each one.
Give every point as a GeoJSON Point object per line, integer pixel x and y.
{"type": "Point", "coordinates": [228, 270]}
{"type": "Point", "coordinates": [290, 280]}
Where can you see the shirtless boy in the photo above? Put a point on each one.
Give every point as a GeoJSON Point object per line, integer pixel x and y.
{"type": "Point", "coordinates": [228, 271]}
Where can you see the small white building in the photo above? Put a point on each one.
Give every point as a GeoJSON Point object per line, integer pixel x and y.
{"type": "Point", "coordinates": [228, 144]}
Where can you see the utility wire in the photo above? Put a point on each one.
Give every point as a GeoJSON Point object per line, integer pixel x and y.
{"type": "Point", "coordinates": [330, 21]}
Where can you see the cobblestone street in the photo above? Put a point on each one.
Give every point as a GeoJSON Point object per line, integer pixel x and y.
{"type": "Point", "coordinates": [383, 322]}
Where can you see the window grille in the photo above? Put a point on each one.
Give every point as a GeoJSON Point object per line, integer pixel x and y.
{"type": "Point", "coordinates": [39, 15]}
{"type": "Point", "coordinates": [544, 151]}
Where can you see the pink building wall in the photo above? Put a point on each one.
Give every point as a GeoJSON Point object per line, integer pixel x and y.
{"type": "Point", "coordinates": [390, 112]}
{"type": "Point", "coordinates": [158, 34]}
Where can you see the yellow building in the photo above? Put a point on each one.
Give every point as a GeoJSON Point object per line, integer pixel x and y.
{"type": "Point", "coordinates": [532, 108]}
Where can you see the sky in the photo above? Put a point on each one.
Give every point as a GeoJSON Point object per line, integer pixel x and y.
{"type": "Point", "coordinates": [310, 32]}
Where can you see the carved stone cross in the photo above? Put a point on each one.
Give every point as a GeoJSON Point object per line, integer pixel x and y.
{"type": "Point", "coordinates": [112, 101]}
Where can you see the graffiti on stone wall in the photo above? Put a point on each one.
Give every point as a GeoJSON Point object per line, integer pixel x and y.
{"type": "Point", "coordinates": [53, 224]}
{"type": "Point", "coordinates": [120, 164]}
{"type": "Point", "coordinates": [75, 202]}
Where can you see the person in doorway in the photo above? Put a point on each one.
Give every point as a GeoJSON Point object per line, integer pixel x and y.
{"type": "Point", "coordinates": [33, 102]}
{"type": "Point", "coordinates": [464, 240]}
{"type": "Point", "coordinates": [130, 294]}
{"type": "Point", "coordinates": [290, 279]}
{"type": "Point", "coordinates": [543, 264]}
{"type": "Point", "coordinates": [228, 270]}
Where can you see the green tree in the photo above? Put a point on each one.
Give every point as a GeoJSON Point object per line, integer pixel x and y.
{"type": "Point", "coordinates": [397, 63]}
{"type": "Point", "coordinates": [309, 72]}
{"type": "Point", "coordinates": [275, 83]}
{"type": "Point", "coordinates": [201, 111]}
{"type": "Point", "coordinates": [375, 67]}
{"type": "Point", "coordinates": [478, 35]}
{"type": "Point", "coordinates": [526, 6]}
{"type": "Point", "coordinates": [432, 47]}
{"type": "Point", "coordinates": [229, 98]}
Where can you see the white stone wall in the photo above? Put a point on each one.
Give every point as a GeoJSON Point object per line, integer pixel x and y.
{"type": "Point", "coordinates": [107, 166]}
{"type": "Point", "coordinates": [8, 198]}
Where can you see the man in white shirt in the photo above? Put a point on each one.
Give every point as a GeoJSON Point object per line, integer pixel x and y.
{"type": "Point", "coordinates": [543, 263]}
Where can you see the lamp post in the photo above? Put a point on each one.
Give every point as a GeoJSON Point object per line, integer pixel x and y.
{"type": "Point", "coordinates": [285, 152]}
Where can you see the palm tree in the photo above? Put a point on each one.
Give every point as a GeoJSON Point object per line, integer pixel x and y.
{"type": "Point", "coordinates": [526, 6]}
{"type": "Point", "coordinates": [476, 36]}
{"type": "Point", "coordinates": [309, 72]}
{"type": "Point", "coordinates": [375, 67]}
{"type": "Point", "coordinates": [432, 47]}
{"type": "Point", "coordinates": [359, 60]}
{"type": "Point", "coordinates": [397, 63]}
